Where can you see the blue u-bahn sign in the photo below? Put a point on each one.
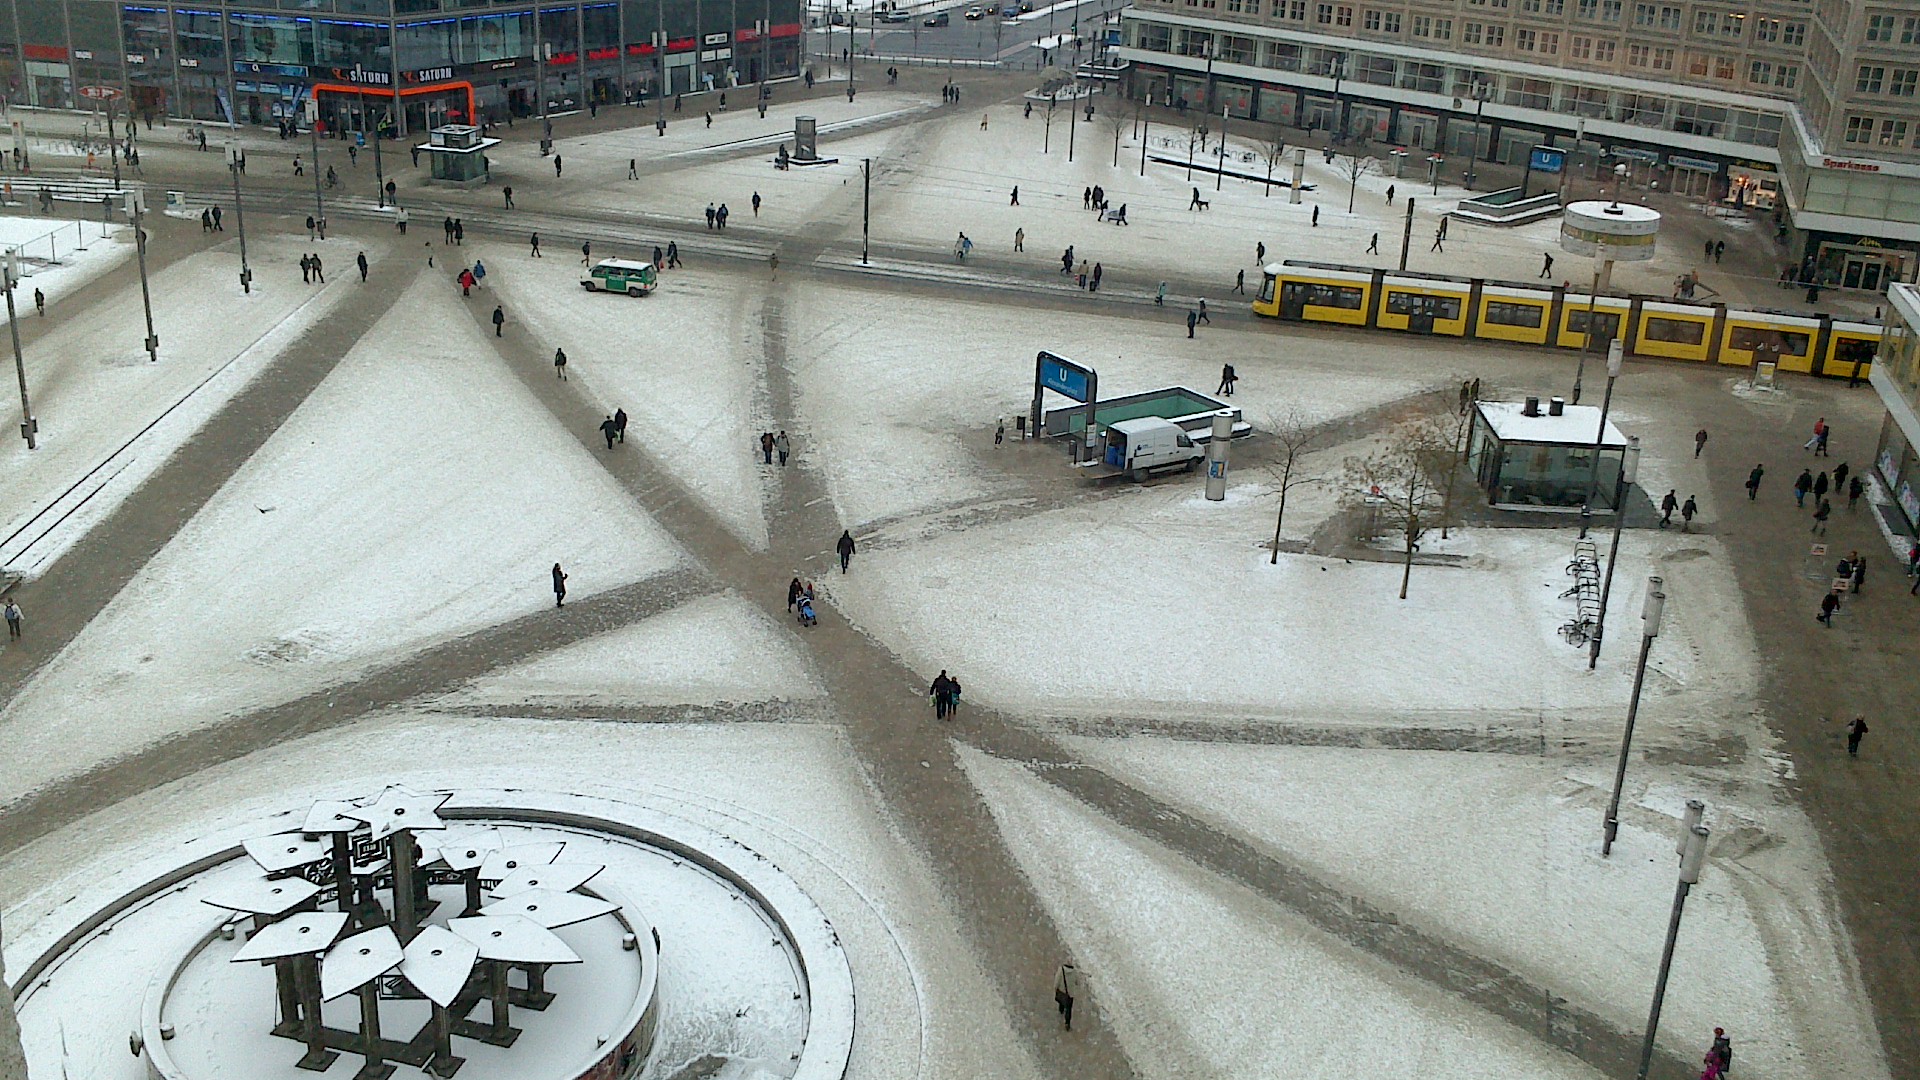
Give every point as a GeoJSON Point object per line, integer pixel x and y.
{"type": "Point", "coordinates": [1063, 376]}
{"type": "Point", "coordinates": [1548, 159]}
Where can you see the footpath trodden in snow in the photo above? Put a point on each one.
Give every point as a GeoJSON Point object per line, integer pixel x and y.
{"type": "Point", "coordinates": [109, 417]}
{"type": "Point", "coordinates": [684, 363]}
{"type": "Point", "coordinates": [419, 493]}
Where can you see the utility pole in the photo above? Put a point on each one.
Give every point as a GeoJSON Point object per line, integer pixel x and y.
{"type": "Point", "coordinates": [866, 205]}
{"type": "Point", "coordinates": [1073, 109]}
{"type": "Point", "coordinates": [1693, 854]}
{"type": "Point", "coordinates": [1226, 111]}
{"type": "Point", "coordinates": [239, 214]}
{"type": "Point", "coordinates": [1145, 123]}
{"type": "Point", "coordinates": [379, 173]}
{"type": "Point", "coordinates": [136, 207]}
{"type": "Point", "coordinates": [29, 427]}
{"type": "Point", "coordinates": [660, 69]}
{"type": "Point", "coordinates": [1651, 610]}
{"type": "Point", "coordinates": [113, 146]}
{"type": "Point", "coordinates": [1622, 483]}
{"type": "Point", "coordinates": [1406, 234]}
{"type": "Point", "coordinates": [313, 138]}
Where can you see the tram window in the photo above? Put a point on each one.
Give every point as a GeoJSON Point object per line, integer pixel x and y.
{"type": "Point", "coordinates": [1266, 291]}
{"type": "Point", "coordinates": [1606, 323]}
{"type": "Point", "coordinates": [1676, 331]}
{"type": "Point", "coordinates": [1334, 296]}
{"type": "Point", "coordinates": [1505, 314]}
{"type": "Point", "coordinates": [1766, 339]}
{"type": "Point", "coordinates": [1408, 303]}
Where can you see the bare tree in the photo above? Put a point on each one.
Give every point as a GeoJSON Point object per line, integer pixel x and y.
{"type": "Point", "coordinates": [1273, 146]}
{"type": "Point", "coordinates": [1295, 439]}
{"type": "Point", "coordinates": [1119, 113]}
{"type": "Point", "coordinates": [1353, 169]}
{"type": "Point", "coordinates": [1402, 486]}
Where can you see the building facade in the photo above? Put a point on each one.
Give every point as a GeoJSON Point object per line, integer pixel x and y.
{"type": "Point", "coordinates": [1896, 376]}
{"type": "Point", "coordinates": [410, 64]}
{"type": "Point", "coordinates": [1803, 110]}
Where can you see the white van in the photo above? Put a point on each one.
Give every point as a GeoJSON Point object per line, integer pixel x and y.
{"type": "Point", "coordinates": [1150, 444]}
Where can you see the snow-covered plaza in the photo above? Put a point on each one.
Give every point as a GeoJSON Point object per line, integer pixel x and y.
{"type": "Point", "coordinates": [1283, 822]}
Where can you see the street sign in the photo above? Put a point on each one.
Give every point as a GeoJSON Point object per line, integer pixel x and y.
{"type": "Point", "coordinates": [1547, 159]}
{"type": "Point", "coordinates": [100, 93]}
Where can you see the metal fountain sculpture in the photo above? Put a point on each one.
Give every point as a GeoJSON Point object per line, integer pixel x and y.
{"type": "Point", "coordinates": [367, 861]}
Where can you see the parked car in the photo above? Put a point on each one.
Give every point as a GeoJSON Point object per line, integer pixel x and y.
{"type": "Point", "coordinates": [936, 19]}
{"type": "Point", "coordinates": [895, 16]}
{"type": "Point", "coordinates": [976, 12]}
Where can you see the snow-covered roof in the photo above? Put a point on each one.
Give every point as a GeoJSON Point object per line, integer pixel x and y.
{"type": "Point", "coordinates": [1575, 426]}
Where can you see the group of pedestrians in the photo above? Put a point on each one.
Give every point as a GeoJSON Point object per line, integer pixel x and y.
{"type": "Point", "coordinates": [771, 444]}
{"type": "Point", "coordinates": [1671, 502]}
{"type": "Point", "coordinates": [945, 695]}
{"type": "Point", "coordinates": [453, 231]}
{"type": "Point", "coordinates": [311, 271]}
{"type": "Point", "coordinates": [717, 215]}
{"type": "Point", "coordinates": [210, 220]}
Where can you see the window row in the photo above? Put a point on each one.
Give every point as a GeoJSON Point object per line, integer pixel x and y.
{"type": "Point", "coordinates": [1876, 131]}
{"type": "Point", "coordinates": [1875, 79]}
{"type": "Point", "coordinates": [1881, 29]}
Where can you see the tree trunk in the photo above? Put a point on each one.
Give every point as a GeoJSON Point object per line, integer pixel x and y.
{"type": "Point", "coordinates": [13, 1060]}
{"type": "Point", "coordinates": [1278, 518]}
{"type": "Point", "coordinates": [1406, 571]}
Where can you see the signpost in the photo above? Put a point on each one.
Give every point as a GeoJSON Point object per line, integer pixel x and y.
{"type": "Point", "coordinates": [1546, 159]}
{"type": "Point", "coordinates": [1064, 377]}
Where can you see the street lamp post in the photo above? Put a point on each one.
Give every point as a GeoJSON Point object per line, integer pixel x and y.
{"type": "Point", "coordinates": [1339, 66]}
{"type": "Point", "coordinates": [1480, 91]}
{"type": "Point", "coordinates": [29, 427]}
{"type": "Point", "coordinates": [1586, 345]}
{"type": "Point", "coordinates": [1207, 105]}
{"type": "Point", "coordinates": [1629, 469]}
{"type": "Point", "coordinates": [660, 79]}
{"type": "Point", "coordinates": [136, 208]}
{"type": "Point", "coordinates": [1046, 137]}
{"type": "Point", "coordinates": [1693, 853]}
{"type": "Point", "coordinates": [379, 170]}
{"type": "Point", "coordinates": [239, 215]}
{"type": "Point", "coordinates": [1615, 353]}
{"type": "Point", "coordinates": [313, 138]}
{"type": "Point", "coordinates": [1073, 110]}
{"type": "Point", "coordinates": [1651, 611]}
{"type": "Point", "coordinates": [1226, 112]}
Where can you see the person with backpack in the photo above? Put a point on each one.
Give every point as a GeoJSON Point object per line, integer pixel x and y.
{"type": "Point", "coordinates": [845, 548]}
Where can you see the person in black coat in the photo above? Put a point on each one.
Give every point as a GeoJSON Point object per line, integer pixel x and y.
{"type": "Point", "coordinates": [794, 589]}
{"type": "Point", "coordinates": [620, 424]}
{"type": "Point", "coordinates": [559, 586]}
{"type": "Point", "coordinates": [845, 548]}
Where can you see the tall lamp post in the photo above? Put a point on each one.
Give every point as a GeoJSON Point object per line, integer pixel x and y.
{"type": "Point", "coordinates": [239, 215]}
{"type": "Point", "coordinates": [1207, 105]}
{"type": "Point", "coordinates": [1651, 611]}
{"type": "Point", "coordinates": [1616, 351]}
{"type": "Point", "coordinates": [313, 138]}
{"type": "Point", "coordinates": [1480, 92]}
{"type": "Point", "coordinates": [379, 171]}
{"type": "Point", "coordinates": [29, 427]}
{"type": "Point", "coordinates": [136, 209]}
{"type": "Point", "coordinates": [1693, 853]}
{"type": "Point", "coordinates": [1586, 345]}
{"type": "Point", "coordinates": [1629, 469]}
{"type": "Point", "coordinates": [1226, 112]}
{"type": "Point", "coordinates": [1339, 67]}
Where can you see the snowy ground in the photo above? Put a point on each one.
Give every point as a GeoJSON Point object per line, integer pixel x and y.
{"type": "Point", "coordinates": [346, 558]}
{"type": "Point", "coordinates": [109, 417]}
{"type": "Point", "coordinates": [923, 1007]}
{"type": "Point", "coordinates": [684, 363]}
{"type": "Point", "coordinates": [58, 256]}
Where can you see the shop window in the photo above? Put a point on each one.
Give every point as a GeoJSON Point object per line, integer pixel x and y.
{"type": "Point", "coordinates": [1676, 331]}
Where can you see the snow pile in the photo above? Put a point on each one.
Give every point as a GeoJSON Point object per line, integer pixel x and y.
{"type": "Point", "coordinates": [420, 493]}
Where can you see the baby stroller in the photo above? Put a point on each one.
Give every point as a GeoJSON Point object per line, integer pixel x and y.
{"type": "Point", "coordinates": [807, 617]}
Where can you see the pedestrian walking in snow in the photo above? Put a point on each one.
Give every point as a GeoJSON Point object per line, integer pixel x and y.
{"type": "Point", "coordinates": [1192, 204]}
{"type": "Point", "coordinates": [1829, 604]}
{"type": "Point", "coordinates": [1855, 732]}
{"type": "Point", "coordinates": [1855, 488]}
{"type": "Point", "coordinates": [400, 221]}
{"type": "Point", "coordinates": [1668, 504]}
{"type": "Point", "coordinates": [12, 612]}
{"type": "Point", "coordinates": [1240, 282]}
{"type": "Point", "coordinates": [1160, 295]}
{"type": "Point", "coordinates": [1859, 572]}
{"type": "Point", "coordinates": [559, 586]}
{"type": "Point", "coordinates": [465, 278]}
{"type": "Point", "coordinates": [499, 320]}
{"type": "Point", "coordinates": [1719, 249]}
{"type": "Point", "coordinates": [459, 233]}
{"type": "Point", "coordinates": [1016, 196]}
{"type": "Point", "coordinates": [446, 228]}
{"type": "Point", "coordinates": [1753, 482]}
{"type": "Point", "coordinates": [1086, 199]}
{"type": "Point", "coordinates": [1066, 987]}
{"type": "Point", "coordinates": [1203, 312]}
{"type": "Point", "coordinates": [773, 262]}
{"type": "Point", "coordinates": [1019, 239]}
{"type": "Point", "coordinates": [633, 168]}
{"type": "Point", "coordinates": [1820, 515]}
{"type": "Point", "coordinates": [217, 227]}
{"type": "Point", "coordinates": [1820, 485]}
{"type": "Point", "coordinates": [306, 269]}
{"type": "Point", "coordinates": [712, 212]}
{"type": "Point", "coordinates": [673, 254]}
{"type": "Point", "coordinates": [610, 430]}
{"type": "Point", "coordinates": [1227, 378]}
{"type": "Point", "coordinates": [1066, 260]}
{"type": "Point", "coordinates": [756, 204]}
{"type": "Point", "coordinates": [1260, 253]}
{"type": "Point", "coordinates": [1839, 477]}
{"type": "Point", "coordinates": [720, 215]}
{"type": "Point", "coordinates": [535, 241]}
{"type": "Point", "coordinates": [766, 447]}
{"type": "Point", "coordinates": [845, 549]}
{"type": "Point", "coordinates": [361, 260]}
{"type": "Point", "coordinates": [507, 193]}
{"type": "Point", "coordinates": [1819, 429]}
{"type": "Point", "coordinates": [1546, 265]}
{"type": "Point", "coordinates": [620, 424]}
{"type": "Point", "coordinates": [1082, 273]}
{"type": "Point", "coordinates": [941, 692]}
{"type": "Point", "coordinates": [319, 271]}
{"type": "Point", "coordinates": [659, 258]}
{"type": "Point", "coordinates": [586, 253]}
{"type": "Point", "coordinates": [556, 166]}
{"type": "Point", "coordinates": [1699, 441]}
{"type": "Point", "coordinates": [1722, 1050]}
{"type": "Point", "coordinates": [560, 364]}
{"type": "Point", "coordinates": [793, 592]}
{"type": "Point", "coordinates": [1000, 433]}
{"type": "Point", "coordinates": [1439, 235]}
{"type": "Point", "coordinates": [1373, 245]}
{"type": "Point", "coordinates": [1193, 318]}
{"type": "Point", "coordinates": [1093, 283]}
{"type": "Point", "coordinates": [1802, 485]}
{"type": "Point", "coordinates": [39, 302]}
{"type": "Point", "coordinates": [1316, 216]}
{"type": "Point", "coordinates": [782, 447]}
{"type": "Point", "coordinates": [1688, 510]}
